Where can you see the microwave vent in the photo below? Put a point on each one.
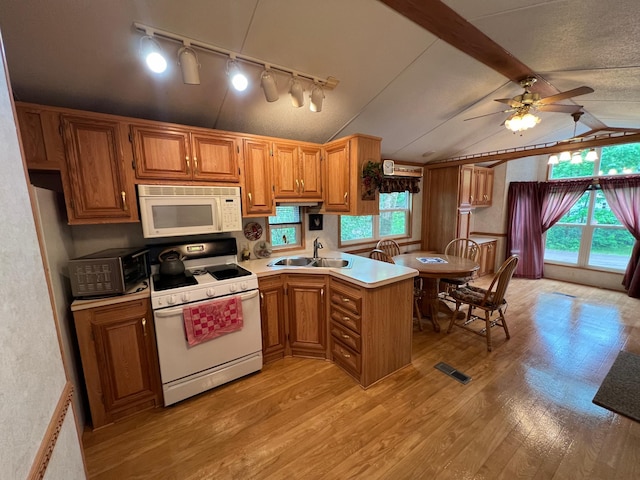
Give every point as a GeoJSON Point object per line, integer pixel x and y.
{"type": "Point", "coordinates": [186, 191]}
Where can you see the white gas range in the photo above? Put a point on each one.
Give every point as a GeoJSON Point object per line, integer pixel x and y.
{"type": "Point", "coordinates": [211, 274]}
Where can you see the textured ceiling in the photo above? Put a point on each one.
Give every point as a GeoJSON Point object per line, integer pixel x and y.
{"type": "Point", "coordinates": [397, 80]}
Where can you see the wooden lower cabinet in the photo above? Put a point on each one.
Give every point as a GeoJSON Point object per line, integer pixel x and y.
{"type": "Point", "coordinates": [371, 329]}
{"type": "Point", "coordinates": [272, 312]}
{"type": "Point", "coordinates": [119, 359]}
{"type": "Point", "coordinates": [306, 313]}
{"type": "Point", "coordinates": [293, 314]}
{"type": "Point", "coordinates": [487, 259]}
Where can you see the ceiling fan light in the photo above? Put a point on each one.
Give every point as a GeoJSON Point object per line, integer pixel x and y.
{"type": "Point", "coordinates": [529, 120]}
{"type": "Point", "coordinates": [513, 123]}
{"type": "Point", "coordinates": [553, 160]}
{"type": "Point", "coordinates": [297, 93]}
{"type": "Point", "coordinates": [188, 61]}
{"type": "Point", "coordinates": [269, 85]}
{"type": "Point", "coordinates": [576, 158]}
{"type": "Point", "coordinates": [592, 155]}
{"type": "Point", "coordinates": [564, 156]}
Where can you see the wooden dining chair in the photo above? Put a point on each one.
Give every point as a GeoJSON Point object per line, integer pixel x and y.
{"type": "Point", "coordinates": [388, 246]}
{"type": "Point", "coordinates": [459, 247]}
{"type": "Point", "coordinates": [378, 254]}
{"type": "Point", "coordinates": [489, 300]}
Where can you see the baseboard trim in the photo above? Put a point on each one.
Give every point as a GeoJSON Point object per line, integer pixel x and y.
{"type": "Point", "coordinates": [41, 461]}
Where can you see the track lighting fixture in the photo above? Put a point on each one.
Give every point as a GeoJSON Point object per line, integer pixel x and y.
{"type": "Point", "coordinates": [576, 158]}
{"type": "Point", "coordinates": [316, 98]}
{"type": "Point", "coordinates": [188, 61]}
{"type": "Point", "coordinates": [553, 160]}
{"type": "Point", "coordinates": [238, 79]}
{"type": "Point", "coordinates": [592, 155]}
{"type": "Point", "coordinates": [565, 156]}
{"type": "Point", "coordinates": [269, 85]}
{"type": "Point", "coordinates": [152, 54]}
{"type": "Point", "coordinates": [297, 93]}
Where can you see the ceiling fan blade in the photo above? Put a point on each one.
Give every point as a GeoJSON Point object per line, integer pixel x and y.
{"type": "Point", "coordinates": [509, 101]}
{"type": "Point", "coordinates": [488, 114]}
{"type": "Point", "coordinates": [559, 108]}
{"type": "Point", "coordinates": [562, 95]}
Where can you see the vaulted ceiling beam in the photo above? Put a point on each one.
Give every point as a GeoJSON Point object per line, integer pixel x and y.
{"type": "Point", "coordinates": [446, 24]}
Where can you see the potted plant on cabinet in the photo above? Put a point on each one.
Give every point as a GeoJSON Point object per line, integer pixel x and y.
{"type": "Point", "coordinates": [371, 179]}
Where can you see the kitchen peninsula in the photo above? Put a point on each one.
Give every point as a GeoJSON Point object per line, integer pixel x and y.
{"type": "Point", "coordinates": [359, 317]}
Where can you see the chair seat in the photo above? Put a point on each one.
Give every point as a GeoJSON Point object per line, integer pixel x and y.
{"type": "Point", "coordinates": [475, 296]}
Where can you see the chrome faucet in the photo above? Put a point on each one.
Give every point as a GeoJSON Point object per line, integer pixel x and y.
{"type": "Point", "coordinates": [316, 246]}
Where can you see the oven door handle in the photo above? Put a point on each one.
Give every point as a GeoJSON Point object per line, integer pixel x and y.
{"type": "Point", "coordinates": [168, 312]}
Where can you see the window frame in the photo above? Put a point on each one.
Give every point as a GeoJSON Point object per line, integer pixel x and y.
{"type": "Point", "coordinates": [301, 226]}
{"type": "Point", "coordinates": [376, 225]}
{"type": "Point", "coordinates": [588, 228]}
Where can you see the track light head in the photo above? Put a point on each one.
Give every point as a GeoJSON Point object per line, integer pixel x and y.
{"type": "Point", "coordinates": [297, 93]}
{"type": "Point", "coordinates": [188, 61]}
{"type": "Point", "coordinates": [238, 79]}
{"type": "Point", "coordinates": [269, 85]}
{"type": "Point", "coordinates": [152, 54]}
{"type": "Point", "coordinates": [316, 98]}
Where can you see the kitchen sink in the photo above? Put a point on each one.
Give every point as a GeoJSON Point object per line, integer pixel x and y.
{"type": "Point", "coordinates": [311, 262]}
{"type": "Point", "coordinates": [292, 262]}
{"type": "Point", "coordinates": [332, 263]}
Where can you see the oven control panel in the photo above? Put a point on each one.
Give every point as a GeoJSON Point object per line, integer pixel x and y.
{"type": "Point", "coordinates": [208, 291]}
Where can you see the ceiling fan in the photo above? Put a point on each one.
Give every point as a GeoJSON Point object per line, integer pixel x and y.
{"type": "Point", "coordinates": [529, 102]}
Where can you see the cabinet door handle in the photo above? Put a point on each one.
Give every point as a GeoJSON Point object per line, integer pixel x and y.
{"type": "Point", "coordinates": [471, 198]}
{"type": "Point", "coordinates": [302, 183]}
{"type": "Point", "coordinates": [188, 165]}
{"type": "Point", "coordinates": [345, 336]}
{"type": "Point", "coordinates": [261, 298]}
{"type": "Point", "coordinates": [322, 294]}
{"type": "Point", "coordinates": [195, 164]}
{"type": "Point", "coordinates": [345, 300]}
{"type": "Point", "coordinates": [123, 194]}
{"type": "Point", "coordinates": [250, 199]}
{"type": "Point", "coordinates": [346, 195]}
{"type": "Point", "coordinates": [297, 186]}
{"type": "Point", "coordinates": [144, 326]}
{"type": "Point", "coordinates": [345, 319]}
{"type": "Point", "coordinates": [345, 355]}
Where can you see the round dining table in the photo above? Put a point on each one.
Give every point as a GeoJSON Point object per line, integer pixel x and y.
{"type": "Point", "coordinates": [432, 267]}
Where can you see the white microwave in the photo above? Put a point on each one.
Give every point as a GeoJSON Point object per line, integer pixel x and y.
{"type": "Point", "coordinates": [170, 211]}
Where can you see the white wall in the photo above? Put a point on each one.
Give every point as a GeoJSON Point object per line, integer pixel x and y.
{"type": "Point", "coordinates": [32, 375]}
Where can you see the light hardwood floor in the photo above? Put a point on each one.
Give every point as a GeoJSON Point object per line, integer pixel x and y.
{"type": "Point", "coordinates": [527, 412]}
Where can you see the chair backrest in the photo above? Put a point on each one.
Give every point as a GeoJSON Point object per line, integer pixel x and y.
{"type": "Point", "coordinates": [378, 254]}
{"type": "Point", "coordinates": [463, 247]}
{"type": "Point", "coordinates": [498, 288]}
{"type": "Point", "coordinates": [390, 247]}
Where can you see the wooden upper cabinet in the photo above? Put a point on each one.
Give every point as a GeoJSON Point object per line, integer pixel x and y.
{"type": "Point", "coordinates": [98, 188]}
{"type": "Point", "coordinates": [215, 157]}
{"type": "Point", "coordinates": [297, 172]}
{"type": "Point", "coordinates": [170, 153]}
{"type": "Point", "coordinates": [483, 191]}
{"type": "Point", "coordinates": [343, 189]}
{"type": "Point", "coordinates": [466, 189]}
{"type": "Point", "coordinates": [257, 191]}
{"type": "Point", "coordinates": [337, 169]}
{"type": "Point", "coordinates": [161, 153]}
{"type": "Point", "coordinates": [41, 139]}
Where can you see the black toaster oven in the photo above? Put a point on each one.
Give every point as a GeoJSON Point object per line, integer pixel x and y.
{"type": "Point", "coordinates": [108, 272]}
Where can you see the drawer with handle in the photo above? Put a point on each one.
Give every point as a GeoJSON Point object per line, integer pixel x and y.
{"type": "Point", "coordinates": [345, 357]}
{"type": "Point", "coordinates": [346, 336]}
{"type": "Point", "coordinates": [347, 298]}
{"type": "Point", "coordinates": [346, 318]}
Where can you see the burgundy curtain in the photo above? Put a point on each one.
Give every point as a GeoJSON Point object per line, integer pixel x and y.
{"type": "Point", "coordinates": [623, 196]}
{"type": "Point", "coordinates": [534, 207]}
{"type": "Point", "coordinates": [524, 233]}
{"type": "Point", "coordinates": [558, 197]}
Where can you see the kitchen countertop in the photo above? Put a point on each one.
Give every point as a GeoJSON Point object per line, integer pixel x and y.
{"type": "Point", "coordinates": [132, 294]}
{"type": "Point", "coordinates": [364, 272]}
